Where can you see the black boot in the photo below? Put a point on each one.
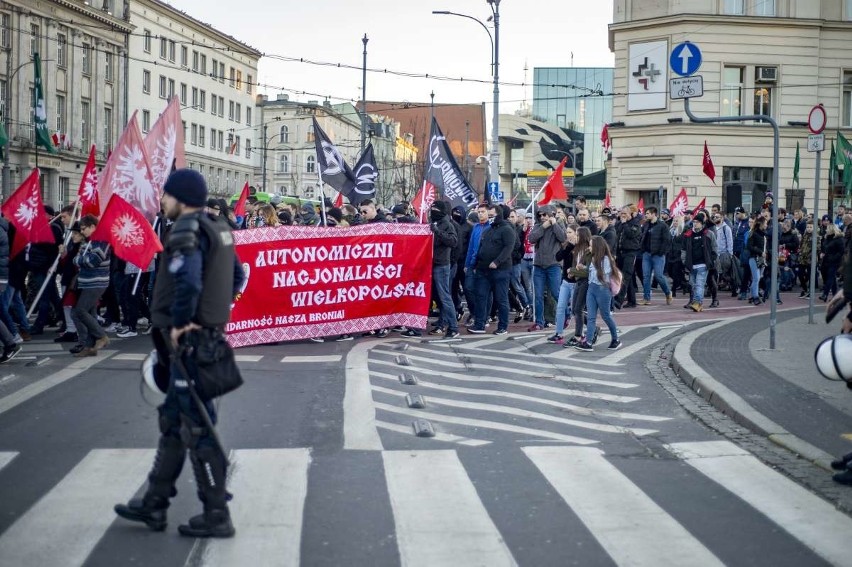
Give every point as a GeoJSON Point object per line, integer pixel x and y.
{"type": "Point", "coordinates": [151, 508]}
{"type": "Point", "coordinates": [841, 463]}
{"type": "Point", "coordinates": [210, 476]}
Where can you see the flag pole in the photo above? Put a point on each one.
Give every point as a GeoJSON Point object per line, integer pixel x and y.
{"type": "Point", "coordinates": [141, 269]}
{"type": "Point", "coordinates": [52, 270]}
{"type": "Point", "coordinates": [322, 194]}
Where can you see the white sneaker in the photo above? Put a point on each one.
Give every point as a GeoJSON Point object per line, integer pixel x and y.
{"type": "Point", "coordinates": [18, 339]}
{"type": "Point", "coordinates": [142, 322]}
{"type": "Point", "coordinates": [111, 328]}
{"type": "Point", "coordinates": [126, 334]}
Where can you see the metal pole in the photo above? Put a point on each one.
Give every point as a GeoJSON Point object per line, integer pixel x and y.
{"type": "Point", "coordinates": [814, 233]}
{"type": "Point", "coordinates": [265, 146]}
{"type": "Point", "coordinates": [495, 134]}
{"type": "Point", "coordinates": [364, 96]}
{"type": "Point", "coordinates": [7, 177]}
{"type": "Point", "coordinates": [773, 285]}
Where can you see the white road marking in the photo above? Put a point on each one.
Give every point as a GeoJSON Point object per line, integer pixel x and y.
{"type": "Point", "coordinates": [440, 519]}
{"type": "Point", "coordinates": [631, 348]}
{"type": "Point", "coordinates": [359, 415]}
{"type": "Point", "coordinates": [6, 458]}
{"type": "Point", "coordinates": [317, 358]}
{"type": "Point", "coordinates": [630, 526]}
{"type": "Point", "coordinates": [75, 367]}
{"type": "Point", "coordinates": [66, 524]}
{"type": "Point", "coordinates": [579, 410]}
{"type": "Point", "coordinates": [532, 361]}
{"type": "Point", "coordinates": [507, 410]}
{"type": "Point", "coordinates": [438, 418]}
{"type": "Point", "coordinates": [130, 356]}
{"type": "Point", "coordinates": [439, 436]}
{"type": "Point", "coordinates": [270, 487]}
{"type": "Point", "coordinates": [805, 516]}
{"type": "Point", "coordinates": [248, 357]}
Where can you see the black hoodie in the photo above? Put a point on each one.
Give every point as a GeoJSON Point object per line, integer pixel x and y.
{"type": "Point", "coordinates": [496, 245]}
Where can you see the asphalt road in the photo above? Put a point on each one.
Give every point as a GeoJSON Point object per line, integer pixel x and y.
{"type": "Point", "coordinates": [541, 456]}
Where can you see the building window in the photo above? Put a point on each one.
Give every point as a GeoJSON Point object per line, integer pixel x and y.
{"type": "Point", "coordinates": [202, 103]}
{"type": "Point", "coordinates": [171, 88]}
{"type": "Point", "coordinates": [230, 110]}
{"type": "Point", "coordinates": [232, 77]}
{"type": "Point", "coordinates": [184, 55]}
{"type": "Point", "coordinates": [763, 95]}
{"type": "Point", "coordinates": [146, 82]}
{"type": "Point", "coordinates": [733, 7]}
{"type": "Point", "coordinates": [238, 113]}
{"type": "Point", "coordinates": [61, 50]}
{"type": "Point", "coordinates": [239, 80]}
{"type": "Point", "coordinates": [847, 13]}
{"type": "Point", "coordinates": [60, 114]}
{"type": "Point", "coordinates": [732, 91]}
{"type": "Point", "coordinates": [248, 116]}
{"type": "Point", "coordinates": [203, 64]}
{"type": "Point", "coordinates": [846, 111]}
{"type": "Point", "coordinates": [194, 61]}
{"type": "Point", "coordinates": [146, 41]}
{"type": "Point", "coordinates": [237, 147]}
{"type": "Point", "coordinates": [284, 135]}
{"type": "Point", "coordinates": [183, 94]}
{"type": "Point", "coordinates": [87, 59]}
{"type": "Point", "coordinates": [221, 138]}
{"type": "Point", "coordinates": [107, 127]}
{"type": "Point", "coordinates": [193, 134]}
{"type": "Point", "coordinates": [248, 84]}
{"type": "Point", "coordinates": [85, 119]}
{"type": "Point", "coordinates": [309, 192]}
{"type": "Point", "coordinates": [164, 47]}
{"type": "Point", "coordinates": [163, 84]}
{"type": "Point", "coordinates": [201, 136]}
{"type": "Point", "coordinates": [221, 72]}
{"type": "Point", "coordinates": [221, 107]}
{"type": "Point", "coordinates": [108, 67]}
{"type": "Point", "coordinates": [248, 148]}
{"type": "Point", "coordinates": [215, 66]}
{"type": "Point", "coordinates": [283, 164]}
{"type": "Point", "coordinates": [172, 48]}
{"type": "Point", "coordinates": [4, 31]}
{"type": "Point", "coordinates": [764, 8]}
{"type": "Point", "coordinates": [35, 32]}
{"type": "Point", "coordinates": [311, 165]}
{"type": "Point", "coordinates": [64, 189]}
{"type": "Point", "coordinates": [194, 97]}
{"type": "Point", "coordinates": [310, 135]}
{"type": "Point", "coordinates": [213, 104]}
{"type": "Point", "coordinates": [212, 138]}
{"type": "Point", "coordinates": [146, 121]}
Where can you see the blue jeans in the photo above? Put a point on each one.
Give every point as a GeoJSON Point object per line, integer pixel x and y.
{"type": "Point", "coordinates": [553, 276]}
{"type": "Point", "coordinates": [755, 278]}
{"type": "Point", "coordinates": [599, 297]}
{"type": "Point", "coordinates": [566, 289]}
{"type": "Point", "coordinates": [526, 279]}
{"type": "Point", "coordinates": [658, 265]}
{"type": "Point", "coordinates": [441, 281]}
{"type": "Point", "coordinates": [470, 293]}
{"type": "Point", "coordinates": [697, 279]}
{"type": "Point", "coordinates": [17, 308]}
{"type": "Point", "coordinates": [496, 283]}
{"type": "Point", "coordinates": [518, 287]}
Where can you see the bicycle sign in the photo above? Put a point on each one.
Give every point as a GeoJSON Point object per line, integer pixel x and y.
{"type": "Point", "coordinates": [686, 87]}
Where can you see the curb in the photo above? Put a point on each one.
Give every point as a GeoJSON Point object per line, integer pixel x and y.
{"type": "Point", "coordinates": [731, 404]}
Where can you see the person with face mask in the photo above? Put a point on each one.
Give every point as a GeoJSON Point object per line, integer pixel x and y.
{"type": "Point", "coordinates": [494, 269]}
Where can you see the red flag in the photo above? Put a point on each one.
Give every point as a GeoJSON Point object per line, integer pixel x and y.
{"type": "Point", "coordinates": [128, 232]}
{"type": "Point", "coordinates": [679, 205]}
{"type": "Point", "coordinates": [87, 194]}
{"type": "Point", "coordinates": [240, 207]}
{"type": "Point", "coordinates": [605, 141]}
{"type": "Point", "coordinates": [554, 188]}
{"type": "Point", "coordinates": [607, 201]}
{"type": "Point", "coordinates": [25, 211]}
{"type": "Point", "coordinates": [423, 200]}
{"type": "Point", "coordinates": [339, 201]}
{"type": "Point", "coordinates": [128, 174]}
{"type": "Point", "coordinates": [701, 205]}
{"type": "Point", "coordinates": [641, 205]}
{"type": "Point", "coordinates": [164, 144]}
{"type": "Point", "coordinates": [707, 165]}
{"type": "Point", "coordinates": [511, 202]}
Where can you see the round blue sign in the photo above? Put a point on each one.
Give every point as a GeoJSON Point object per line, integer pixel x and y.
{"type": "Point", "coordinates": [685, 59]}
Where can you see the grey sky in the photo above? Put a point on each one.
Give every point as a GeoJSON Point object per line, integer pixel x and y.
{"type": "Point", "coordinates": [405, 36]}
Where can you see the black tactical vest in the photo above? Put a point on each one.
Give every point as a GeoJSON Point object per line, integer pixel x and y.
{"type": "Point", "coordinates": [214, 303]}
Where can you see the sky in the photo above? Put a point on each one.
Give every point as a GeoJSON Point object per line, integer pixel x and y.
{"type": "Point", "coordinates": [405, 36]}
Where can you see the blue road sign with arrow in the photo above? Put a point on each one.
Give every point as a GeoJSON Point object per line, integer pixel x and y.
{"type": "Point", "coordinates": [685, 59]}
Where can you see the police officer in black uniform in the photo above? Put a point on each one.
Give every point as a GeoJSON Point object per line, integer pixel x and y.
{"type": "Point", "coordinates": [198, 278]}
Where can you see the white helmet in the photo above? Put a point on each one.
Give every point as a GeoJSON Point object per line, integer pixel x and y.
{"type": "Point", "coordinates": [155, 377]}
{"type": "Point", "coordinates": [833, 357]}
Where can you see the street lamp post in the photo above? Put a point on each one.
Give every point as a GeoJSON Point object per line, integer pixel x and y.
{"type": "Point", "coordinates": [265, 149]}
{"type": "Point", "coordinates": [7, 119]}
{"type": "Point", "coordinates": [494, 162]}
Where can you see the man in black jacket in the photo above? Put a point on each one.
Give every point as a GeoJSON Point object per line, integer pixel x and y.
{"type": "Point", "coordinates": [494, 268]}
{"type": "Point", "coordinates": [629, 244]}
{"type": "Point", "coordinates": [656, 241]}
{"type": "Point", "coordinates": [40, 257]}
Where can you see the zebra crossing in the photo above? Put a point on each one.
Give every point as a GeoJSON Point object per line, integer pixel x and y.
{"type": "Point", "coordinates": [439, 512]}
{"type": "Point", "coordinates": [493, 389]}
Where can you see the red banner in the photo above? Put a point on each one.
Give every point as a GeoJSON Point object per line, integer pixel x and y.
{"type": "Point", "coordinates": [304, 282]}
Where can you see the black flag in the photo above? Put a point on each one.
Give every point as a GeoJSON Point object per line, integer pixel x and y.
{"type": "Point", "coordinates": [333, 168]}
{"type": "Point", "coordinates": [443, 172]}
{"type": "Point", "coordinates": [365, 178]}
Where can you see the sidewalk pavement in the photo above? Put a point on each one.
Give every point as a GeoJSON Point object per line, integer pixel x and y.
{"type": "Point", "coordinates": [778, 393]}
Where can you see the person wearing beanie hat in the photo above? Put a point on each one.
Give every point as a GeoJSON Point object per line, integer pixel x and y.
{"type": "Point", "coordinates": [309, 215]}
{"type": "Point", "coordinates": [195, 285]}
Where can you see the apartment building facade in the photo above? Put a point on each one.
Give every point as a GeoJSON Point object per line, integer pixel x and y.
{"type": "Point", "coordinates": [773, 57]}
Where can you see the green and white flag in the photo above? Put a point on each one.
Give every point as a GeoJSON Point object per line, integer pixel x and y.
{"type": "Point", "coordinates": [844, 158]}
{"type": "Point", "coordinates": [42, 134]}
{"type": "Point", "coordinates": [796, 167]}
{"type": "Point", "coordinates": [832, 167]}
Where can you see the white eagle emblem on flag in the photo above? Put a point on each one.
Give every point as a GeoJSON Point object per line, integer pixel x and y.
{"type": "Point", "coordinates": [127, 232]}
{"type": "Point", "coordinates": [27, 211]}
{"type": "Point", "coordinates": [132, 182]}
{"type": "Point", "coordinates": [90, 183]}
{"type": "Point", "coordinates": [164, 155]}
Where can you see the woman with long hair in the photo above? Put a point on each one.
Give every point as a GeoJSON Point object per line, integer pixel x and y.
{"type": "Point", "coordinates": [579, 271]}
{"type": "Point", "coordinates": [566, 290]}
{"type": "Point", "coordinates": [757, 256]}
{"type": "Point", "coordinates": [267, 215]}
{"type": "Point", "coordinates": [832, 256]}
{"type": "Point", "coordinates": [599, 293]}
